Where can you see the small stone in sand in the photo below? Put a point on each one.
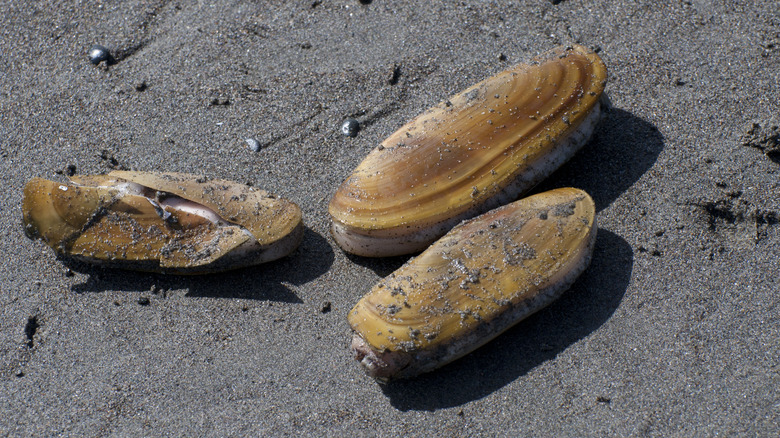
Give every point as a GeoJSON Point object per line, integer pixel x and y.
{"type": "Point", "coordinates": [350, 127]}
{"type": "Point", "coordinates": [98, 54]}
{"type": "Point", "coordinates": [254, 145]}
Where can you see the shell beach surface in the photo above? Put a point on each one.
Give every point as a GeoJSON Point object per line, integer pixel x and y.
{"type": "Point", "coordinates": [476, 151]}
{"type": "Point", "coordinates": [672, 330]}
{"type": "Point", "coordinates": [166, 222]}
{"type": "Point", "coordinates": [474, 283]}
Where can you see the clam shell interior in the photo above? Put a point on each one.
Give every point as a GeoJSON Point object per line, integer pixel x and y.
{"type": "Point", "coordinates": [473, 152]}
{"type": "Point", "coordinates": [166, 222]}
{"type": "Point", "coordinates": [474, 283]}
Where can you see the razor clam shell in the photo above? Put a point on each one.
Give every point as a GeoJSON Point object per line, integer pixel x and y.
{"type": "Point", "coordinates": [477, 281]}
{"type": "Point", "coordinates": [474, 152]}
{"type": "Point", "coordinates": [105, 219]}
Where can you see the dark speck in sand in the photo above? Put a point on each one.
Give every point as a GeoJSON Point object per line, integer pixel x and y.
{"type": "Point", "coordinates": [30, 329]}
{"type": "Point", "coordinates": [70, 170]}
{"type": "Point", "coordinates": [395, 74]}
{"type": "Point", "coordinates": [220, 101]}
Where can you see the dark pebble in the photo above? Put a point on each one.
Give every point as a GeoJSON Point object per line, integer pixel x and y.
{"type": "Point", "coordinates": [350, 127]}
{"type": "Point", "coordinates": [254, 145]}
{"type": "Point", "coordinates": [365, 2]}
{"type": "Point", "coordinates": [144, 301]}
{"type": "Point", "coordinates": [98, 54]}
{"type": "Point", "coordinates": [325, 307]}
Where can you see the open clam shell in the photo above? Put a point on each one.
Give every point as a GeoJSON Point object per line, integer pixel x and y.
{"type": "Point", "coordinates": [481, 278]}
{"type": "Point", "coordinates": [164, 222]}
{"type": "Point", "coordinates": [478, 150]}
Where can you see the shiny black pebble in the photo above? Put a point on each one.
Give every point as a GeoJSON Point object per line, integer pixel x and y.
{"type": "Point", "coordinates": [98, 54]}
{"type": "Point", "coordinates": [350, 127]}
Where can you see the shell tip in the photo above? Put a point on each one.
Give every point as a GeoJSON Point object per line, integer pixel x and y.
{"type": "Point", "coordinates": [382, 366]}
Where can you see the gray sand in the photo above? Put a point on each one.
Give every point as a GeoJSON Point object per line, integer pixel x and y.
{"type": "Point", "coordinates": [673, 330]}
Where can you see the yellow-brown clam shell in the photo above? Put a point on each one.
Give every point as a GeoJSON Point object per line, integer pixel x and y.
{"type": "Point", "coordinates": [481, 278]}
{"type": "Point", "coordinates": [474, 152]}
{"type": "Point", "coordinates": [164, 222]}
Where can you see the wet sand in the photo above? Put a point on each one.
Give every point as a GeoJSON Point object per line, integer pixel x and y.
{"type": "Point", "coordinates": [673, 330]}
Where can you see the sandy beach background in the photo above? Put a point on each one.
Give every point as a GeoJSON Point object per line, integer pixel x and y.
{"type": "Point", "coordinates": [674, 330]}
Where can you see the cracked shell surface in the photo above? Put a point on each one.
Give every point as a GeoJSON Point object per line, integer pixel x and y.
{"type": "Point", "coordinates": [162, 222]}
{"type": "Point", "coordinates": [474, 283]}
{"type": "Point", "coordinates": [478, 150]}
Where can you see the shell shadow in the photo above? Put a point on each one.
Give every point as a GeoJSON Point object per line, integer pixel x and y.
{"type": "Point", "coordinates": [621, 150]}
{"type": "Point", "coordinates": [268, 281]}
{"type": "Point", "coordinates": [580, 311]}
{"type": "Point", "coordinates": [382, 266]}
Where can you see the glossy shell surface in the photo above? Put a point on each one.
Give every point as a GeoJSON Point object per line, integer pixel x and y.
{"type": "Point", "coordinates": [165, 222]}
{"type": "Point", "coordinates": [478, 150]}
{"type": "Point", "coordinates": [481, 278]}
